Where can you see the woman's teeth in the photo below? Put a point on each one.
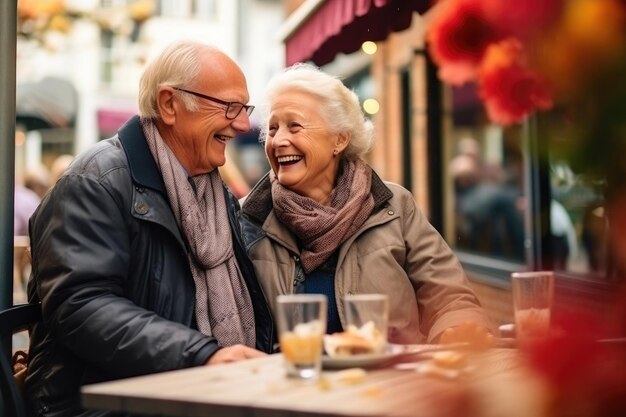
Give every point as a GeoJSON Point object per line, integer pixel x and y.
{"type": "Point", "coordinates": [291, 159]}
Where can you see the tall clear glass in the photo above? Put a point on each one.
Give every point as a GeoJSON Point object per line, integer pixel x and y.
{"type": "Point", "coordinates": [301, 327]}
{"type": "Point", "coordinates": [368, 315]}
{"type": "Point", "coordinates": [532, 302]}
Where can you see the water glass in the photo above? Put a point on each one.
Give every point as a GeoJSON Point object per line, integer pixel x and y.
{"type": "Point", "coordinates": [532, 301]}
{"type": "Point", "coordinates": [369, 315]}
{"type": "Point", "coordinates": [301, 326]}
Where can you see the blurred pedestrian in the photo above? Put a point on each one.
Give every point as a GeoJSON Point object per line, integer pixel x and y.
{"type": "Point", "coordinates": [60, 164]}
{"type": "Point", "coordinates": [488, 219]}
{"type": "Point", "coordinates": [37, 179]}
{"type": "Point", "coordinates": [25, 203]}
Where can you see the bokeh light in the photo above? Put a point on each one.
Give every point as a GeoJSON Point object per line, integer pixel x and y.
{"type": "Point", "coordinates": [369, 47]}
{"type": "Point", "coordinates": [371, 106]}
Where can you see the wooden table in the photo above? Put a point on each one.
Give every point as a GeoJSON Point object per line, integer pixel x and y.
{"type": "Point", "coordinates": [259, 388]}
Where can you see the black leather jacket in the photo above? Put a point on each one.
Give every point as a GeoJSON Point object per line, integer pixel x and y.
{"type": "Point", "coordinates": [110, 268]}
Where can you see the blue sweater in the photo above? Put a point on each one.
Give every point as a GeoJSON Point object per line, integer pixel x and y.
{"type": "Point", "coordinates": [322, 281]}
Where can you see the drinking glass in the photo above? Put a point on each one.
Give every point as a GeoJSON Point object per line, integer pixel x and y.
{"type": "Point", "coordinates": [532, 301]}
{"type": "Point", "coordinates": [368, 314]}
{"type": "Point", "coordinates": [301, 326]}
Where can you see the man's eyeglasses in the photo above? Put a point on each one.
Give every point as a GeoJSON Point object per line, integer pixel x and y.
{"type": "Point", "coordinates": [233, 108]}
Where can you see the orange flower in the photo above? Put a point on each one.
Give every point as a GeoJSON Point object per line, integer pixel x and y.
{"type": "Point", "coordinates": [597, 25]}
{"type": "Point", "coordinates": [60, 23]}
{"type": "Point", "coordinates": [510, 90]}
{"type": "Point", "coordinates": [141, 10]}
{"type": "Point", "coordinates": [30, 9]}
{"type": "Point", "coordinates": [458, 37]}
{"type": "Point", "coordinates": [587, 43]}
{"type": "Point", "coordinates": [524, 18]}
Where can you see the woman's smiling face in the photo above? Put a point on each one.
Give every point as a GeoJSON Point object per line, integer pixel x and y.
{"type": "Point", "coordinates": [300, 146]}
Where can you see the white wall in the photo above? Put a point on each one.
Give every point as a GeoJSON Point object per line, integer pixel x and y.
{"type": "Point", "coordinates": [262, 53]}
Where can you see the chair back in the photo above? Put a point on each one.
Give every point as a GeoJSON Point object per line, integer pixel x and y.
{"type": "Point", "coordinates": [13, 320]}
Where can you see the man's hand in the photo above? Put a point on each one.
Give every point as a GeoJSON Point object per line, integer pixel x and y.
{"type": "Point", "coordinates": [234, 354]}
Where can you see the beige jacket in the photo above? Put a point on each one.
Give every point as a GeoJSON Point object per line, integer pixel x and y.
{"type": "Point", "coordinates": [396, 252]}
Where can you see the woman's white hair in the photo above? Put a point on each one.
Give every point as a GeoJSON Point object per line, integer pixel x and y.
{"type": "Point", "coordinates": [177, 66]}
{"type": "Point", "coordinates": [338, 105]}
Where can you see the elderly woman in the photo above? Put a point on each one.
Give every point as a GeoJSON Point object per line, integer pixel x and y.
{"type": "Point", "coordinates": [322, 221]}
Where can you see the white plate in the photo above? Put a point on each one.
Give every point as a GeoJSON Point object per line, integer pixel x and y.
{"type": "Point", "coordinates": [393, 351]}
{"type": "Point", "coordinates": [365, 360]}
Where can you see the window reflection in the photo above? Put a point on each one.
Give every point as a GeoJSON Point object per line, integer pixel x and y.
{"type": "Point", "coordinates": [578, 222]}
{"type": "Point", "coordinates": [485, 173]}
{"type": "Point", "coordinates": [487, 211]}
{"type": "Point", "coordinates": [488, 200]}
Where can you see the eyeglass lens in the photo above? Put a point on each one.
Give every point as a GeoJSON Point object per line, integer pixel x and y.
{"type": "Point", "coordinates": [234, 108]}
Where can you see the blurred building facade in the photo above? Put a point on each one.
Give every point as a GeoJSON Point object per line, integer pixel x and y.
{"type": "Point", "coordinates": [499, 203]}
{"type": "Point", "coordinates": [101, 46]}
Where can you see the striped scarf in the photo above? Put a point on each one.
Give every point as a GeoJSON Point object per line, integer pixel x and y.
{"type": "Point", "coordinates": [319, 228]}
{"type": "Point", "coordinates": [223, 304]}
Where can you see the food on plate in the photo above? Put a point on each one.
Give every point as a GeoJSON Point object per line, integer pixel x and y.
{"type": "Point", "coordinates": [366, 339]}
{"type": "Point", "coordinates": [347, 344]}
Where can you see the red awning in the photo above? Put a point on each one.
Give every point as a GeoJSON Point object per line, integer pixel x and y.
{"type": "Point", "coordinates": [343, 25]}
{"type": "Point", "coordinates": [110, 120]}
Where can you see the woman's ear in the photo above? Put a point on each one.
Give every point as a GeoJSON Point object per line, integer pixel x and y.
{"type": "Point", "coordinates": [342, 140]}
{"type": "Point", "coordinates": [165, 104]}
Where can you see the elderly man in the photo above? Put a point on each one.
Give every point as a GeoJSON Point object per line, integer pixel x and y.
{"type": "Point", "coordinates": [137, 258]}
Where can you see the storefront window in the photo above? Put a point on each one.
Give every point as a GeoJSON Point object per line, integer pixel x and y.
{"type": "Point", "coordinates": [484, 170]}
{"type": "Point", "coordinates": [578, 222]}
{"type": "Point", "coordinates": [506, 201]}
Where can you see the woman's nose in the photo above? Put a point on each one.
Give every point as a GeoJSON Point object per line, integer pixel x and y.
{"type": "Point", "coordinates": [281, 138]}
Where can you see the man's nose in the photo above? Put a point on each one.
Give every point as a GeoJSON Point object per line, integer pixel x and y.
{"type": "Point", "coordinates": [241, 123]}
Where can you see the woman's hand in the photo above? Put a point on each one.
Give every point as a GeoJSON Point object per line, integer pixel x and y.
{"type": "Point", "coordinates": [469, 332]}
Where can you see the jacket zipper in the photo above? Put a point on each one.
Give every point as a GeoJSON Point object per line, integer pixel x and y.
{"type": "Point", "coordinates": [298, 279]}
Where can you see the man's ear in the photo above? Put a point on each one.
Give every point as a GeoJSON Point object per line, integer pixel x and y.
{"type": "Point", "coordinates": [166, 105]}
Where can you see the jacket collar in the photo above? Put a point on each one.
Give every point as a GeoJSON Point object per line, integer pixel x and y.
{"type": "Point", "coordinates": [258, 204]}
{"type": "Point", "coordinates": [142, 167]}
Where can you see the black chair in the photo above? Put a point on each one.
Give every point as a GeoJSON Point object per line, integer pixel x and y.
{"type": "Point", "coordinates": [13, 320]}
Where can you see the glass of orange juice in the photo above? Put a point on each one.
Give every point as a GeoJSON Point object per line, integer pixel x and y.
{"type": "Point", "coordinates": [301, 320]}
{"type": "Point", "coordinates": [532, 301]}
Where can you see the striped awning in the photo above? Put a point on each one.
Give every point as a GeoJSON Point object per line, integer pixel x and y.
{"type": "Point", "coordinates": [341, 26]}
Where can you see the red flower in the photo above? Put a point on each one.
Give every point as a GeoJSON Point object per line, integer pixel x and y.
{"type": "Point", "coordinates": [586, 377]}
{"type": "Point", "coordinates": [510, 90]}
{"type": "Point", "coordinates": [569, 350]}
{"type": "Point", "coordinates": [458, 37]}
